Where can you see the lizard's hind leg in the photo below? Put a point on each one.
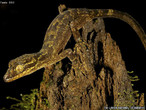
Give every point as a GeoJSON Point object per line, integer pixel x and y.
{"type": "Point", "coordinates": [76, 34]}
{"type": "Point", "coordinates": [78, 24]}
{"type": "Point", "coordinates": [61, 8]}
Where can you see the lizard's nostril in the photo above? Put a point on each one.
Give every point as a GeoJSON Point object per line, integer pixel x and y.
{"type": "Point", "coordinates": [5, 78]}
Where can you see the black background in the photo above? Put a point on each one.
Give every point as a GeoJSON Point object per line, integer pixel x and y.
{"type": "Point", "coordinates": [23, 26]}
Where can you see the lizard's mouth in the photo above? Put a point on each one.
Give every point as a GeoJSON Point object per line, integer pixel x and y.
{"type": "Point", "coordinates": [9, 79]}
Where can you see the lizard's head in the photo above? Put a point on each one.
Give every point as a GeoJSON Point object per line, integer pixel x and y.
{"type": "Point", "coordinates": [19, 67]}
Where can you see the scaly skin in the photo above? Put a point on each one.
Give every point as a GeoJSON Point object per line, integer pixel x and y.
{"type": "Point", "coordinates": [57, 35]}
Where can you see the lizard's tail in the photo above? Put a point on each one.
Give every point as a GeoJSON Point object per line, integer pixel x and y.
{"type": "Point", "coordinates": [126, 18]}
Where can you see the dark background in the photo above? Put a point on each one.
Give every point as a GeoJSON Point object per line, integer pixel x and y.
{"type": "Point", "coordinates": [23, 26]}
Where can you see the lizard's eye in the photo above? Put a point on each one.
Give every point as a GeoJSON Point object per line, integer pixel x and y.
{"type": "Point", "coordinates": [19, 68]}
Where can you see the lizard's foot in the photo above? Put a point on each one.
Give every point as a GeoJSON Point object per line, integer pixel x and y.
{"type": "Point", "coordinates": [61, 8]}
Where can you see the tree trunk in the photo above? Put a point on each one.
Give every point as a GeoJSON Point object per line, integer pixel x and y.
{"type": "Point", "coordinates": [97, 79]}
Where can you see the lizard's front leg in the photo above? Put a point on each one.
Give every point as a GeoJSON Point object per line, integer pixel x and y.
{"type": "Point", "coordinates": [65, 53]}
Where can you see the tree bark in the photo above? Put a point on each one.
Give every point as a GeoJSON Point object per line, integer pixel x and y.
{"type": "Point", "coordinates": [97, 79]}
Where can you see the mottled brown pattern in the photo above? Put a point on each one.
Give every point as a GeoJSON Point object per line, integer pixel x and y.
{"type": "Point", "coordinates": [58, 34]}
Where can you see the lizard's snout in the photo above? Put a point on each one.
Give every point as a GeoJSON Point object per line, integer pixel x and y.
{"type": "Point", "coordinates": [5, 78]}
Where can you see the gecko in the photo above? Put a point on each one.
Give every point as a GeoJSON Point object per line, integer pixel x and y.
{"type": "Point", "coordinates": [65, 25]}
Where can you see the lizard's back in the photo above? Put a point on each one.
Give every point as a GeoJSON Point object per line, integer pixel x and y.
{"type": "Point", "coordinates": [59, 31]}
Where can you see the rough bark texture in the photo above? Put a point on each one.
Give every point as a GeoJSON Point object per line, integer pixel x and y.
{"type": "Point", "coordinates": [97, 78]}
